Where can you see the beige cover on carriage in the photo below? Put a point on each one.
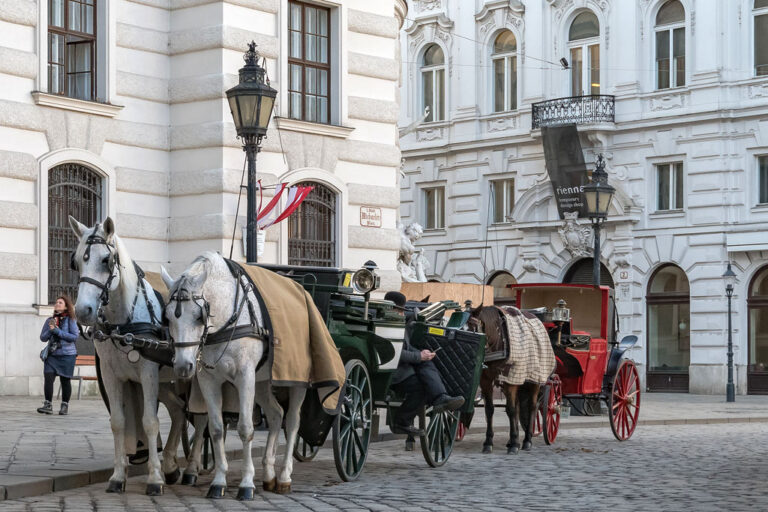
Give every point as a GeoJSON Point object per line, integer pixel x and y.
{"type": "Point", "coordinates": [531, 357]}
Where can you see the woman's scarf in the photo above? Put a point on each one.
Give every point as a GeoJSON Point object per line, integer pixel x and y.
{"type": "Point", "coordinates": [57, 317]}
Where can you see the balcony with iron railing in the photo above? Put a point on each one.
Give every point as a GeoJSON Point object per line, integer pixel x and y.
{"type": "Point", "coordinates": [579, 110]}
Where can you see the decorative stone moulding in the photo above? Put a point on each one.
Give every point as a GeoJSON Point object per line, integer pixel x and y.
{"type": "Point", "coordinates": [668, 101]}
{"type": "Point", "coordinates": [499, 124]}
{"type": "Point", "coordinates": [66, 103]}
{"type": "Point", "coordinates": [427, 5]}
{"type": "Point", "coordinates": [427, 134]}
{"type": "Point", "coordinates": [758, 91]}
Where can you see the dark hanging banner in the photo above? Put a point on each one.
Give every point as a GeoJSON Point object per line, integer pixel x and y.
{"type": "Point", "coordinates": [566, 168]}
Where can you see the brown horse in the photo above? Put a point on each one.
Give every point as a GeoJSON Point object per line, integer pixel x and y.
{"type": "Point", "coordinates": [522, 400]}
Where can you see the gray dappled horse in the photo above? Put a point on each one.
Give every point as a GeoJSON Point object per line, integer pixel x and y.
{"type": "Point", "coordinates": [522, 400]}
{"type": "Point", "coordinates": [206, 304]}
{"type": "Point", "coordinates": [112, 294]}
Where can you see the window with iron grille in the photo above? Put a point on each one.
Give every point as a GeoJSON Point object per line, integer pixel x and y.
{"type": "Point", "coordinates": [72, 48]}
{"type": "Point", "coordinates": [309, 62]}
{"type": "Point", "coordinates": [312, 229]}
{"type": "Point", "coordinates": [75, 190]}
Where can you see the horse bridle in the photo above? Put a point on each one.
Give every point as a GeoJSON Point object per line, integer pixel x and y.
{"type": "Point", "coordinates": [184, 295]}
{"type": "Point", "coordinates": [112, 263]}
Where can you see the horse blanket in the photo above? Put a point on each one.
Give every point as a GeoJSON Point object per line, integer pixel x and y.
{"type": "Point", "coordinates": [530, 352]}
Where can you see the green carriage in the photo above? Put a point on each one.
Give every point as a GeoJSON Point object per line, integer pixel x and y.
{"type": "Point", "coordinates": [369, 335]}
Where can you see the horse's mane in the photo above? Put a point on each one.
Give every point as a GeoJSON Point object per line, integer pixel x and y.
{"type": "Point", "coordinates": [492, 320]}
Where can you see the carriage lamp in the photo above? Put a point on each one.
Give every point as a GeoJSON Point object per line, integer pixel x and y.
{"type": "Point", "coordinates": [364, 281]}
{"type": "Point", "coordinates": [598, 194]}
{"type": "Point", "coordinates": [729, 276]}
{"type": "Point", "coordinates": [251, 102]}
{"type": "Point", "coordinates": [561, 313]}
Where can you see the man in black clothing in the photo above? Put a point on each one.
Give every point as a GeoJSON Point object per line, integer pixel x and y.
{"type": "Point", "coordinates": [418, 379]}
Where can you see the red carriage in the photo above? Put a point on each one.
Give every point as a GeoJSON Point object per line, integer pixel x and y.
{"type": "Point", "coordinates": [581, 321]}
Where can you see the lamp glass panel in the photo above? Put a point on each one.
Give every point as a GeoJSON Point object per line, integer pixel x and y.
{"type": "Point", "coordinates": [591, 197]}
{"type": "Point", "coordinates": [235, 109]}
{"type": "Point", "coordinates": [267, 103]}
{"type": "Point", "coordinates": [605, 201]}
{"type": "Point", "coordinates": [249, 103]}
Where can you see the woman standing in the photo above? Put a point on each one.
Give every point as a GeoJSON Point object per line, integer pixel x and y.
{"type": "Point", "coordinates": [60, 331]}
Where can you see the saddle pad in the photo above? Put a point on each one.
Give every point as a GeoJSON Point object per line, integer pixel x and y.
{"type": "Point", "coordinates": [531, 357]}
{"type": "Point", "coordinates": [459, 361]}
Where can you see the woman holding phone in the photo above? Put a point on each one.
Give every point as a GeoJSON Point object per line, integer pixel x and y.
{"type": "Point", "coordinates": [61, 332]}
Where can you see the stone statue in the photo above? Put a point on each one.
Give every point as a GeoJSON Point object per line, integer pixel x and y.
{"type": "Point", "coordinates": [577, 239]}
{"type": "Point", "coordinates": [411, 261]}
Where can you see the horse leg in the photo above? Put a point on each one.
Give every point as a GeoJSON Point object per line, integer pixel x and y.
{"type": "Point", "coordinates": [274, 414]}
{"type": "Point", "coordinates": [149, 387]}
{"type": "Point", "coordinates": [245, 384]}
{"type": "Point", "coordinates": [292, 419]}
{"type": "Point", "coordinates": [194, 460]}
{"type": "Point", "coordinates": [510, 393]}
{"type": "Point", "coordinates": [527, 402]}
{"type": "Point", "coordinates": [114, 389]}
{"type": "Point", "coordinates": [486, 390]}
{"type": "Point", "coordinates": [212, 393]}
{"type": "Point", "coordinates": [169, 465]}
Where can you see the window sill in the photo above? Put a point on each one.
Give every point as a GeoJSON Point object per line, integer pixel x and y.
{"type": "Point", "coordinates": [663, 214]}
{"type": "Point", "coordinates": [434, 232]}
{"type": "Point", "coordinates": [759, 208]}
{"type": "Point", "coordinates": [67, 103]}
{"type": "Point", "coordinates": [329, 130]}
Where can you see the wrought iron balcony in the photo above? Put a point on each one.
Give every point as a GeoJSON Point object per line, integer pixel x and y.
{"type": "Point", "coordinates": [573, 110]}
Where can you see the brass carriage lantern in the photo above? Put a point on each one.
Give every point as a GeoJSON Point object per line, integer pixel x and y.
{"type": "Point", "coordinates": [251, 102]}
{"type": "Point", "coordinates": [598, 194]}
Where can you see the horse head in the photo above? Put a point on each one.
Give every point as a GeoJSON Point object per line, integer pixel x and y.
{"type": "Point", "coordinates": [488, 320]}
{"type": "Point", "coordinates": [189, 315]}
{"type": "Point", "coordinates": [98, 262]}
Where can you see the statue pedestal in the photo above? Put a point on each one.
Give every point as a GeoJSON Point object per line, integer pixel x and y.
{"type": "Point", "coordinates": [459, 292]}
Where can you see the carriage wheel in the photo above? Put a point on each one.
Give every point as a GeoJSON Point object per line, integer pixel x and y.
{"type": "Point", "coordinates": [439, 434]}
{"type": "Point", "coordinates": [624, 403]}
{"type": "Point", "coordinates": [303, 451]}
{"type": "Point", "coordinates": [538, 425]}
{"type": "Point", "coordinates": [553, 399]}
{"type": "Point", "coordinates": [352, 427]}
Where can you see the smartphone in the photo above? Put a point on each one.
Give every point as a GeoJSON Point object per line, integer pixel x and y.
{"type": "Point", "coordinates": [438, 348]}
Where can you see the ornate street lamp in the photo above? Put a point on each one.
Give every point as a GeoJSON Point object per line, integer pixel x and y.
{"type": "Point", "coordinates": [251, 102]}
{"type": "Point", "coordinates": [730, 279]}
{"type": "Point", "coordinates": [598, 194]}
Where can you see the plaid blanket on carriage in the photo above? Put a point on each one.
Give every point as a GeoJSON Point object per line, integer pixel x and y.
{"type": "Point", "coordinates": [530, 352]}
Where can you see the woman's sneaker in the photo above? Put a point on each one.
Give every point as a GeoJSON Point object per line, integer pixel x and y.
{"type": "Point", "coordinates": [64, 409]}
{"type": "Point", "coordinates": [47, 408]}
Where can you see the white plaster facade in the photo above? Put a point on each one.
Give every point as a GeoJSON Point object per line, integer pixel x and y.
{"type": "Point", "coordinates": [162, 138]}
{"type": "Point", "coordinates": [715, 125]}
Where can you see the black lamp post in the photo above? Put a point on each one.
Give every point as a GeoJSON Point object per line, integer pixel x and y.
{"type": "Point", "coordinates": [598, 194]}
{"type": "Point", "coordinates": [251, 102]}
{"type": "Point", "coordinates": [730, 278]}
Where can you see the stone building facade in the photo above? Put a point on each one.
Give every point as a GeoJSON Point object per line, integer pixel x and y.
{"type": "Point", "coordinates": [117, 107]}
{"type": "Point", "coordinates": [674, 94]}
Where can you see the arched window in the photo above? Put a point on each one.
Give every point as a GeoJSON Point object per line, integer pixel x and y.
{"type": "Point", "coordinates": [504, 59]}
{"type": "Point", "coordinates": [503, 296]}
{"type": "Point", "coordinates": [75, 190]}
{"type": "Point", "coordinates": [757, 305]}
{"type": "Point", "coordinates": [312, 229]}
{"type": "Point", "coordinates": [670, 45]}
{"type": "Point", "coordinates": [433, 83]}
{"type": "Point", "coordinates": [581, 273]}
{"type": "Point", "coordinates": [669, 327]}
{"type": "Point", "coordinates": [761, 37]}
{"type": "Point", "coordinates": [584, 45]}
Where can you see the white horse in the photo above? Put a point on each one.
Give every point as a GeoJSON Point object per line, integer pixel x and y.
{"type": "Point", "coordinates": [206, 302]}
{"type": "Point", "coordinates": [111, 294]}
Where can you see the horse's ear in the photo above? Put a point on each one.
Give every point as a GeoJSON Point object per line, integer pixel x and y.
{"type": "Point", "coordinates": [476, 311]}
{"type": "Point", "coordinates": [109, 229]}
{"type": "Point", "coordinates": [425, 299]}
{"type": "Point", "coordinates": [167, 279]}
{"type": "Point", "coordinates": [77, 227]}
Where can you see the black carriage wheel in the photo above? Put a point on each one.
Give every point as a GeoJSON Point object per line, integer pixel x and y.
{"type": "Point", "coordinates": [352, 427]}
{"type": "Point", "coordinates": [624, 402]}
{"type": "Point", "coordinates": [439, 435]}
{"type": "Point", "coordinates": [303, 451]}
{"type": "Point", "coordinates": [550, 409]}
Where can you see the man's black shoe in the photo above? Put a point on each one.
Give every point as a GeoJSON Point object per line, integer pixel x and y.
{"type": "Point", "coordinates": [447, 403]}
{"type": "Point", "coordinates": [407, 429]}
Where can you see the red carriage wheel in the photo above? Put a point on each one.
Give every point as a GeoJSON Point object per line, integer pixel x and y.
{"type": "Point", "coordinates": [553, 399]}
{"type": "Point", "coordinates": [538, 424]}
{"type": "Point", "coordinates": [624, 404]}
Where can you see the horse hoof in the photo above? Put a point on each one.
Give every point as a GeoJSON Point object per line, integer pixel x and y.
{"type": "Point", "coordinates": [487, 448]}
{"type": "Point", "coordinates": [154, 490]}
{"type": "Point", "coordinates": [171, 478]}
{"type": "Point", "coordinates": [283, 488]}
{"type": "Point", "coordinates": [409, 446]}
{"type": "Point", "coordinates": [527, 446]}
{"type": "Point", "coordinates": [116, 486]}
{"type": "Point", "coordinates": [216, 492]}
{"type": "Point", "coordinates": [512, 450]}
{"type": "Point", "coordinates": [245, 493]}
{"type": "Point", "coordinates": [269, 486]}
{"type": "Point", "coordinates": [188, 479]}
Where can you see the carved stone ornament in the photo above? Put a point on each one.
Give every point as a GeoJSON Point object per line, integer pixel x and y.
{"type": "Point", "coordinates": [577, 239]}
{"type": "Point", "coordinates": [667, 102]}
{"type": "Point", "coordinates": [427, 5]}
{"type": "Point", "coordinates": [622, 260]}
{"type": "Point", "coordinates": [427, 134]}
{"type": "Point", "coordinates": [531, 265]}
{"type": "Point", "coordinates": [499, 124]}
{"type": "Point", "coordinates": [411, 262]}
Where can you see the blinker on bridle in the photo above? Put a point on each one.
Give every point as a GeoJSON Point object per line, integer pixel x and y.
{"type": "Point", "coordinates": [184, 295]}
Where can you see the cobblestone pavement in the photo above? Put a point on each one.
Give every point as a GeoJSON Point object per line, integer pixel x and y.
{"type": "Point", "coordinates": [672, 467]}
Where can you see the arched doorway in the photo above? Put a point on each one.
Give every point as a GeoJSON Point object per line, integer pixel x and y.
{"type": "Point", "coordinates": [502, 296]}
{"type": "Point", "coordinates": [75, 190]}
{"type": "Point", "coordinates": [312, 229]}
{"type": "Point", "coordinates": [581, 273]}
{"type": "Point", "coordinates": [669, 320]}
{"type": "Point", "coordinates": [757, 306]}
